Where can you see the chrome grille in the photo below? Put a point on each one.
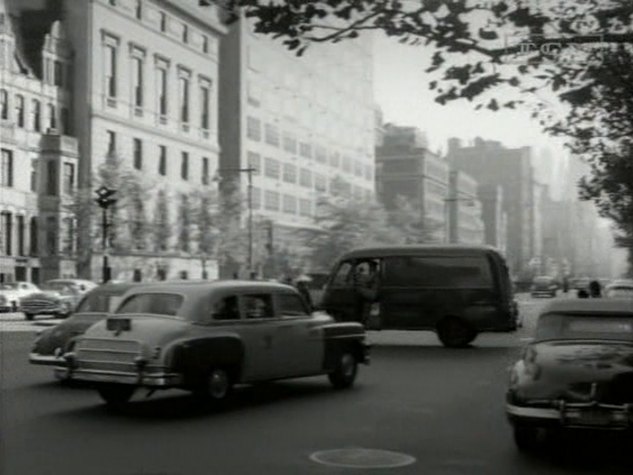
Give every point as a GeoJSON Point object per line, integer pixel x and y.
{"type": "Point", "coordinates": [107, 354]}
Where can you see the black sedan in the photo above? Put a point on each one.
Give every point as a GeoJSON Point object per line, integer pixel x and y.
{"type": "Point", "coordinates": [95, 306]}
{"type": "Point", "coordinates": [577, 373]}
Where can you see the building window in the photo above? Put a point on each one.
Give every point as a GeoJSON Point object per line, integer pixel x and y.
{"type": "Point", "coordinates": [254, 161]}
{"type": "Point", "coordinates": [320, 154]}
{"type": "Point", "coordinates": [185, 33]}
{"type": "Point", "coordinates": [69, 178]}
{"type": "Point", "coordinates": [6, 168]}
{"type": "Point", "coordinates": [110, 70]}
{"type": "Point", "coordinates": [163, 22]}
{"type": "Point", "coordinates": [205, 97]}
{"type": "Point", "coordinates": [290, 173]}
{"type": "Point", "coordinates": [34, 174]}
{"type": "Point", "coordinates": [271, 200]}
{"type": "Point", "coordinates": [290, 143]}
{"type": "Point", "coordinates": [253, 129]}
{"type": "Point", "coordinates": [52, 117]}
{"type": "Point", "coordinates": [111, 150]}
{"type": "Point", "coordinates": [184, 100]}
{"type": "Point", "coordinates": [205, 171]}
{"type": "Point", "coordinates": [19, 110]}
{"type": "Point", "coordinates": [21, 235]}
{"type": "Point", "coordinates": [33, 237]}
{"type": "Point", "coordinates": [320, 182]}
{"type": "Point", "coordinates": [139, 10]}
{"type": "Point", "coordinates": [7, 233]}
{"type": "Point", "coordinates": [137, 146]}
{"type": "Point", "coordinates": [184, 166]}
{"type": "Point", "coordinates": [205, 44]}
{"type": "Point", "coordinates": [137, 78]}
{"type": "Point", "coordinates": [69, 236]}
{"type": "Point", "coordinates": [112, 2]}
{"type": "Point", "coordinates": [305, 150]}
{"type": "Point", "coordinates": [65, 122]}
{"type": "Point", "coordinates": [271, 168]}
{"type": "Point", "coordinates": [305, 207]}
{"type": "Point", "coordinates": [37, 115]}
{"type": "Point", "coordinates": [51, 236]}
{"type": "Point", "coordinates": [51, 178]}
{"type": "Point", "coordinates": [289, 204]}
{"type": "Point", "coordinates": [162, 160]}
{"type": "Point", "coordinates": [305, 178]}
{"type": "Point", "coordinates": [272, 135]}
{"type": "Point", "coordinates": [4, 104]}
{"type": "Point", "coordinates": [162, 91]}
{"type": "Point", "coordinates": [58, 75]}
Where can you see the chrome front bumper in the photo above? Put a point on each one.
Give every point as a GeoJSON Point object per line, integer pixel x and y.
{"type": "Point", "coordinates": [154, 380]}
{"type": "Point", "coordinates": [47, 360]}
{"type": "Point", "coordinates": [573, 415]}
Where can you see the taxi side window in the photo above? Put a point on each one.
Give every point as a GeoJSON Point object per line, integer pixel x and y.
{"type": "Point", "coordinates": [343, 277]}
{"type": "Point", "coordinates": [258, 306]}
{"type": "Point", "coordinates": [226, 309]}
{"type": "Point", "coordinates": [290, 305]}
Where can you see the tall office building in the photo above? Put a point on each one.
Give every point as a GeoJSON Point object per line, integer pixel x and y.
{"type": "Point", "coordinates": [144, 85]}
{"type": "Point", "coordinates": [306, 124]}
{"type": "Point", "coordinates": [465, 224]}
{"type": "Point", "coordinates": [38, 161]}
{"type": "Point", "coordinates": [406, 167]}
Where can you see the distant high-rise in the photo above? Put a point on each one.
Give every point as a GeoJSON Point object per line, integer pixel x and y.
{"type": "Point", "coordinates": [490, 163]}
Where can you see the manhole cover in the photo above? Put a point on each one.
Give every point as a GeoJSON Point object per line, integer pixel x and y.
{"type": "Point", "coordinates": [362, 458]}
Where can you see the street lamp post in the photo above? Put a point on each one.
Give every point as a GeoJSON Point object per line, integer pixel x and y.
{"type": "Point", "coordinates": [249, 171]}
{"type": "Point", "coordinates": [105, 200]}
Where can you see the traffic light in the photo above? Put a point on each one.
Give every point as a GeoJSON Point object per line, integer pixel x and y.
{"type": "Point", "coordinates": [105, 197]}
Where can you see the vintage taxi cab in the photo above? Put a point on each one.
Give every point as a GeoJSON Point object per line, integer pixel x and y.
{"type": "Point", "coordinates": [206, 337]}
{"type": "Point", "coordinates": [577, 373]}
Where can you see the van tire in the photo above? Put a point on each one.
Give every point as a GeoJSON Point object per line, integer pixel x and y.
{"type": "Point", "coordinates": [453, 332]}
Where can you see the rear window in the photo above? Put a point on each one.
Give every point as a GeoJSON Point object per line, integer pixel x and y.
{"type": "Point", "coordinates": [99, 302]}
{"type": "Point", "coordinates": [156, 303]}
{"type": "Point", "coordinates": [543, 280]}
{"type": "Point", "coordinates": [454, 272]}
{"type": "Point", "coordinates": [578, 327]}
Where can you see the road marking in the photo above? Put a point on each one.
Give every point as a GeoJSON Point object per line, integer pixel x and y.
{"type": "Point", "coordinates": [362, 458]}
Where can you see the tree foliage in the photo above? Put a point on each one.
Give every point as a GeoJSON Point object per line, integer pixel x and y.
{"type": "Point", "coordinates": [346, 223]}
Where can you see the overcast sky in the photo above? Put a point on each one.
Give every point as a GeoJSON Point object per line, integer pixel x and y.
{"type": "Point", "coordinates": [401, 91]}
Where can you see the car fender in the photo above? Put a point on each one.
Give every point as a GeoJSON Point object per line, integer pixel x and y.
{"type": "Point", "coordinates": [340, 336]}
{"type": "Point", "coordinates": [193, 357]}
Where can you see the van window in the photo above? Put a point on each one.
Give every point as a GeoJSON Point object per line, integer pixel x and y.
{"type": "Point", "coordinates": [455, 272]}
{"type": "Point", "coordinates": [343, 275]}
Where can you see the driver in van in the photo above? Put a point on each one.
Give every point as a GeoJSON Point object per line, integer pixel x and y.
{"type": "Point", "coordinates": [366, 289]}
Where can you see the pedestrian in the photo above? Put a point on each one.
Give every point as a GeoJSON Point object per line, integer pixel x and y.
{"type": "Point", "coordinates": [583, 294]}
{"type": "Point", "coordinates": [366, 289]}
{"type": "Point", "coordinates": [302, 287]}
{"type": "Point", "coordinates": [595, 289]}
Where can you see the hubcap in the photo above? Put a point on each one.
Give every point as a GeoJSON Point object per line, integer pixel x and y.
{"type": "Point", "coordinates": [218, 384]}
{"type": "Point", "coordinates": [347, 365]}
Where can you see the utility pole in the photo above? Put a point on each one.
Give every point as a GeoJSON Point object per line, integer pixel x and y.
{"type": "Point", "coordinates": [105, 200]}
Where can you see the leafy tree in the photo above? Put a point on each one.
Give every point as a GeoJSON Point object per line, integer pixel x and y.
{"type": "Point", "coordinates": [162, 223]}
{"type": "Point", "coordinates": [184, 218]}
{"type": "Point", "coordinates": [409, 222]}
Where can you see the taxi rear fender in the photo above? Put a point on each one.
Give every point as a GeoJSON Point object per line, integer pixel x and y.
{"type": "Point", "coordinates": [194, 358]}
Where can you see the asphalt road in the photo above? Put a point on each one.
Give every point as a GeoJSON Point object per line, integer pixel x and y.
{"type": "Point", "coordinates": [442, 407]}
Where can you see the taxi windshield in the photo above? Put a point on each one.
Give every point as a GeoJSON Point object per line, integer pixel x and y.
{"type": "Point", "coordinates": [156, 303]}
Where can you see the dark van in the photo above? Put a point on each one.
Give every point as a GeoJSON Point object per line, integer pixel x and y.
{"type": "Point", "coordinates": [457, 291]}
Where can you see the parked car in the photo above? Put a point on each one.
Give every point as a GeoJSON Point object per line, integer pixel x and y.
{"type": "Point", "coordinates": [12, 292]}
{"type": "Point", "coordinates": [544, 285]}
{"type": "Point", "coordinates": [619, 289]}
{"type": "Point", "coordinates": [57, 297]}
{"type": "Point", "coordinates": [577, 373]}
{"type": "Point", "coordinates": [579, 283]}
{"type": "Point", "coordinates": [207, 336]}
{"type": "Point", "coordinates": [94, 306]}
